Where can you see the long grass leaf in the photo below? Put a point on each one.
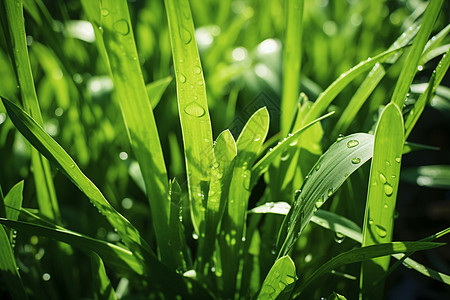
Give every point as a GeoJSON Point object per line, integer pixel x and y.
{"type": "Point", "coordinates": [45, 190]}
{"type": "Point", "coordinates": [363, 254]}
{"type": "Point", "coordinates": [13, 201]}
{"type": "Point", "coordinates": [280, 281]}
{"type": "Point", "coordinates": [412, 60]}
{"type": "Point", "coordinates": [55, 153]}
{"type": "Point", "coordinates": [292, 58]}
{"type": "Point", "coordinates": [192, 105]}
{"type": "Point", "coordinates": [382, 193]}
{"type": "Point", "coordinates": [138, 116]}
{"type": "Point", "coordinates": [156, 89]}
{"type": "Point", "coordinates": [329, 173]}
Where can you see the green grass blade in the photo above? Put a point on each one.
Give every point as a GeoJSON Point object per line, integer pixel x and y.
{"type": "Point", "coordinates": [327, 96]}
{"type": "Point", "coordinates": [291, 140]}
{"type": "Point", "coordinates": [8, 268]}
{"type": "Point", "coordinates": [224, 154]}
{"type": "Point", "coordinates": [114, 255]}
{"type": "Point", "coordinates": [45, 190]}
{"type": "Point", "coordinates": [292, 58]}
{"type": "Point", "coordinates": [382, 193]}
{"type": "Point", "coordinates": [280, 281]}
{"type": "Point", "coordinates": [412, 60]}
{"type": "Point", "coordinates": [102, 285]}
{"type": "Point", "coordinates": [156, 89]}
{"type": "Point", "coordinates": [433, 44]}
{"type": "Point", "coordinates": [55, 153]}
{"type": "Point", "coordinates": [433, 176]}
{"type": "Point", "coordinates": [426, 96]}
{"type": "Point", "coordinates": [138, 115]}
{"type": "Point", "coordinates": [177, 238]}
{"type": "Point", "coordinates": [329, 173]}
{"type": "Point", "coordinates": [281, 208]}
{"type": "Point", "coordinates": [13, 201]}
{"type": "Point", "coordinates": [248, 144]}
{"type": "Point", "coordinates": [363, 254]}
{"type": "Point", "coordinates": [192, 105]}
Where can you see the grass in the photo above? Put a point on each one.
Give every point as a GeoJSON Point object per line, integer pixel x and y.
{"type": "Point", "coordinates": [234, 182]}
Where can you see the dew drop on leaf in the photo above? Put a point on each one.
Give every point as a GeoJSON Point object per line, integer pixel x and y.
{"type": "Point", "coordinates": [356, 160]}
{"type": "Point", "coordinates": [388, 190]}
{"type": "Point", "coordinates": [122, 27]}
{"type": "Point", "coordinates": [185, 35]}
{"type": "Point", "coordinates": [105, 12]}
{"type": "Point", "coordinates": [194, 109]}
{"type": "Point", "coordinates": [381, 231]}
{"type": "Point", "coordinates": [352, 143]}
{"type": "Point", "coordinates": [382, 178]}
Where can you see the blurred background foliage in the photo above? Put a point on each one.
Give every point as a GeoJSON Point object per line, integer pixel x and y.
{"type": "Point", "coordinates": [240, 44]}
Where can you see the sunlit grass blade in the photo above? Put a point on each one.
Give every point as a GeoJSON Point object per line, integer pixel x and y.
{"type": "Point", "coordinates": [363, 254]}
{"type": "Point", "coordinates": [13, 201]}
{"type": "Point", "coordinates": [55, 153]}
{"type": "Point", "coordinates": [131, 93]}
{"type": "Point", "coordinates": [45, 190]}
{"type": "Point", "coordinates": [115, 256]}
{"type": "Point", "coordinates": [177, 239]}
{"type": "Point", "coordinates": [412, 60]}
{"type": "Point", "coordinates": [291, 140]}
{"type": "Point", "coordinates": [292, 58]}
{"type": "Point", "coordinates": [382, 195]}
{"type": "Point", "coordinates": [224, 154]}
{"type": "Point", "coordinates": [232, 233]}
{"type": "Point", "coordinates": [327, 96]}
{"type": "Point", "coordinates": [434, 176]}
{"type": "Point", "coordinates": [433, 44]}
{"type": "Point", "coordinates": [280, 281]}
{"type": "Point", "coordinates": [329, 173]}
{"type": "Point", "coordinates": [192, 106]}
{"type": "Point", "coordinates": [426, 96]}
{"type": "Point", "coordinates": [156, 89]}
{"type": "Point", "coordinates": [102, 285]}
{"type": "Point", "coordinates": [281, 208]}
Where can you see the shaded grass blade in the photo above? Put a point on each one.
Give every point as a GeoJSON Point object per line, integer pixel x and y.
{"type": "Point", "coordinates": [412, 60]}
{"type": "Point", "coordinates": [292, 58]}
{"type": "Point", "coordinates": [13, 201]}
{"type": "Point", "coordinates": [138, 116]}
{"type": "Point", "coordinates": [192, 106]}
{"type": "Point", "coordinates": [156, 89]}
{"type": "Point", "coordinates": [329, 173]}
{"type": "Point", "coordinates": [54, 152]}
{"type": "Point", "coordinates": [363, 254]}
{"type": "Point", "coordinates": [45, 190]}
{"type": "Point", "coordinates": [102, 285]}
{"type": "Point", "coordinates": [248, 145]}
{"type": "Point", "coordinates": [280, 281]}
{"type": "Point", "coordinates": [433, 176]}
{"type": "Point", "coordinates": [382, 194]}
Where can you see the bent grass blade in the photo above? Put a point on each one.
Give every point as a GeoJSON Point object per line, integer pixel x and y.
{"type": "Point", "coordinates": [280, 281]}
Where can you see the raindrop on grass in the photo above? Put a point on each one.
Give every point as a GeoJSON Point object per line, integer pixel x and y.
{"type": "Point", "coordinates": [185, 35]}
{"type": "Point", "coordinates": [122, 27]}
{"type": "Point", "coordinates": [105, 12]}
{"type": "Point", "coordinates": [46, 277]}
{"type": "Point", "coordinates": [382, 178]}
{"type": "Point", "coordinates": [330, 192]}
{"type": "Point", "coordinates": [352, 143]}
{"type": "Point", "coordinates": [356, 160]}
{"type": "Point", "coordinates": [194, 109]}
{"type": "Point", "coordinates": [339, 237]}
{"type": "Point", "coordinates": [182, 78]}
{"type": "Point", "coordinates": [197, 70]}
{"type": "Point", "coordinates": [397, 159]}
{"type": "Point", "coordinates": [388, 190]}
{"type": "Point", "coordinates": [381, 231]}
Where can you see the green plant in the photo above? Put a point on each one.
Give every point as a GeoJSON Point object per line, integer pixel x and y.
{"type": "Point", "coordinates": [249, 221]}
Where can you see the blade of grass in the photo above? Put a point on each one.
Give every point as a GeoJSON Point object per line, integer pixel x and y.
{"type": "Point", "coordinates": [292, 59]}
{"type": "Point", "coordinates": [192, 106]}
{"type": "Point", "coordinates": [382, 195]}
{"type": "Point", "coordinates": [13, 201]}
{"type": "Point", "coordinates": [138, 117]}
{"type": "Point", "coordinates": [156, 89]}
{"type": "Point", "coordinates": [102, 285]}
{"type": "Point", "coordinates": [45, 190]}
{"type": "Point", "coordinates": [233, 227]}
{"type": "Point", "coordinates": [363, 254]}
{"type": "Point", "coordinates": [280, 281]}
{"type": "Point", "coordinates": [427, 95]}
{"type": "Point", "coordinates": [412, 60]}
{"type": "Point", "coordinates": [328, 174]}
{"type": "Point", "coordinates": [433, 176]}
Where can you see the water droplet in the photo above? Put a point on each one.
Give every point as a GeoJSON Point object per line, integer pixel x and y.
{"type": "Point", "coordinates": [398, 159]}
{"type": "Point", "coordinates": [318, 167]}
{"type": "Point", "coordinates": [194, 109]}
{"type": "Point", "coordinates": [72, 166]}
{"type": "Point", "coordinates": [194, 236]}
{"type": "Point", "coordinates": [297, 193]}
{"type": "Point", "coordinates": [388, 190]}
{"type": "Point", "coordinates": [381, 231]}
{"type": "Point", "coordinates": [122, 27]}
{"type": "Point", "coordinates": [319, 203]}
{"type": "Point", "coordinates": [182, 78]}
{"type": "Point", "coordinates": [385, 205]}
{"type": "Point", "coordinates": [46, 277]}
{"type": "Point", "coordinates": [340, 137]}
{"type": "Point", "coordinates": [293, 143]}
{"type": "Point", "coordinates": [197, 70]}
{"type": "Point", "coordinates": [105, 12]}
{"type": "Point", "coordinates": [330, 192]}
{"type": "Point", "coordinates": [339, 237]}
{"type": "Point", "coordinates": [257, 138]}
{"type": "Point", "coordinates": [352, 143]}
{"type": "Point", "coordinates": [388, 163]}
{"type": "Point", "coordinates": [289, 280]}
{"type": "Point", "coordinates": [370, 221]}
{"type": "Point", "coordinates": [285, 156]}
{"type": "Point", "coordinates": [185, 35]}
{"type": "Point", "coordinates": [356, 160]}
{"type": "Point", "coordinates": [382, 178]}
{"type": "Point", "coordinates": [420, 68]}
